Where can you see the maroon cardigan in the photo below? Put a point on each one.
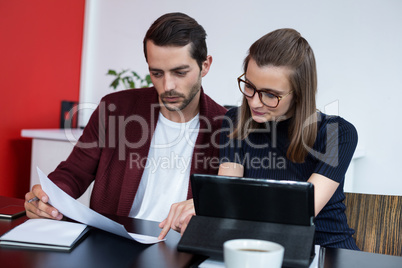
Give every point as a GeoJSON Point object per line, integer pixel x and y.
{"type": "Point", "coordinates": [114, 145]}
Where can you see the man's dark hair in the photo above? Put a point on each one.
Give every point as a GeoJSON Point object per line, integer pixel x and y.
{"type": "Point", "coordinates": [178, 29]}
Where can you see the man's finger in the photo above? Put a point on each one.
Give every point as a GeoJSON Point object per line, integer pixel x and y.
{"type": "Point", "coordinates": [185, 223]}
{"type": "Point", "coordinates": [39, 209]}
{"type": "Point", "coordinates": [165, 224]}
{"type": "Point", "coordinates": [164, 232]}
{"type": "Point", "coordinates": [49, 211]}
{"type": "Point", "coordinates": [176, 224]}
{"type": "Point", "coordinates": [162, 223]}
{"type": "Point", "coordinates": [37, 191]}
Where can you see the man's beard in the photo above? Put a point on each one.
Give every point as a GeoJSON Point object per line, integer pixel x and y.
{"type": "Point", "coordinates": [193, 92]}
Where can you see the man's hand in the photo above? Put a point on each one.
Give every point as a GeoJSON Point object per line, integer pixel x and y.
{"type": "Point", "coordinates": [178, 218]}
{"type": "Point", "coordinates": [40, 208]}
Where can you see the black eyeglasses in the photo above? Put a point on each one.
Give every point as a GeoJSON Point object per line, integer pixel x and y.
{"type": "Point", "coordinates": [267, 98]}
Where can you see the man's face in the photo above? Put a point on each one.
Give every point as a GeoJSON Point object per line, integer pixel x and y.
{"type": "Point", "coordinates": [175, 75]}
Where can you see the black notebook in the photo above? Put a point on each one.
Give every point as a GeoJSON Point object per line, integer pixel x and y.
{"type": "Point", "coordinates": [45, 234]}
{"type": "Point", "coordinates": [12, 211]}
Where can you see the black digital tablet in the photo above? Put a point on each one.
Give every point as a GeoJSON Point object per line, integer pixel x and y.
{"type": "Point", "coordinates": [286, 202]}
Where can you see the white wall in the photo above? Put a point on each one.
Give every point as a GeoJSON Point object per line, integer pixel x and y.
{"type": "Point", "coordinates": [357, 44]}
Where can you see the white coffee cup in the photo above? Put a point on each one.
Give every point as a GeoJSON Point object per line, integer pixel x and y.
{"type": "Point", "coordinates": [252, 253]}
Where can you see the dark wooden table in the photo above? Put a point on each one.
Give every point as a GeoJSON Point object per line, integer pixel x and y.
{"type": "Point", "coordinates": [345, 258]}
{"type": "Point", "coordinates": [101, 249]}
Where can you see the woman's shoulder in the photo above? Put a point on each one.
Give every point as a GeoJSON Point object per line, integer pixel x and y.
{"type": "Point", "coordinates": [233, 111]}
{"type": "Point", "coordinates": [232, 114]}
{"type": "Point", "coordinates": [334, 122]}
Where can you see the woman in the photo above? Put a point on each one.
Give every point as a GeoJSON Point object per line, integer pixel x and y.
{"type": "Point", "coordinates": [277, 133]}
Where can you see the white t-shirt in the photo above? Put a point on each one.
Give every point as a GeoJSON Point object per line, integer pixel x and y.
{"type": "Point", "coordinates": [167, 170]}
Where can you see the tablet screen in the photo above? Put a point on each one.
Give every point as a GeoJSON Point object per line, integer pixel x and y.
{"type": "Point", "coordinates": [285, 202]}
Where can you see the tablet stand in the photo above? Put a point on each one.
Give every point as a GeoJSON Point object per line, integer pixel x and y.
{"type": "Point", "coordinates": [206, 235]}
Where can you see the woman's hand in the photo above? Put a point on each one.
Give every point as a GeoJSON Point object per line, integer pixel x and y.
{"type": "Point", "coordinates": [231, 169]}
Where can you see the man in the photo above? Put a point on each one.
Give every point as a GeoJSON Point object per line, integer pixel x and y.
{"type": "Point", "coordinates": [141, 145]}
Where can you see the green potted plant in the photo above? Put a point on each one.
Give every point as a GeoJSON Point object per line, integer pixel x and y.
{"type": "Point", "coordinates": [129, 79]}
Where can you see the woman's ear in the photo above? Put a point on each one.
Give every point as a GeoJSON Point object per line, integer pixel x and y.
{"type": "Point", "coordinates": [206, 65]}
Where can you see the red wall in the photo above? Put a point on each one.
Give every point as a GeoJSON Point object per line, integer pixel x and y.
{"type": "Point", "coordinates": [40, 58]}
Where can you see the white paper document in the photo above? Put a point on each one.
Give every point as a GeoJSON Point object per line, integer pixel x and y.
{"type": "Point", "coordinates": [73, 209]}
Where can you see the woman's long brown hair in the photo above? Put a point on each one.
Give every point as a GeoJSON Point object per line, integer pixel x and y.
{"type": "Point", "coordinates": [287, 48]}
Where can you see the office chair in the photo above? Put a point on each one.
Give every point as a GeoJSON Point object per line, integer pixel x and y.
{"type": "Point", "coordinates": [377, 220]}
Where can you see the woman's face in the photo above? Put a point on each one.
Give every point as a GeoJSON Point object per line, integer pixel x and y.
{"type": "Point", "coordinates": [274, 80]}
